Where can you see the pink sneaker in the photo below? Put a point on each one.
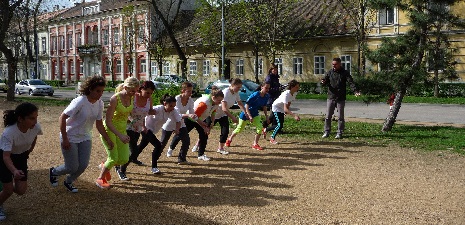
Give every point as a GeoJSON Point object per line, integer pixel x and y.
{"type": "Point", "coordinates": [272, 141]}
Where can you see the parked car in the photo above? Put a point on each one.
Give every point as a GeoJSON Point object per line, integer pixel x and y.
{"type": "Point", "coordinates": [176, 80]}
{"type": "Point", "coordinates": [3, 86]}
{"type": "Point", "coordinates": [221, 84]}
{"type": "Point", "coordinates": [248, 87]}
{"type": "Point", "coordinates": [34, 87]}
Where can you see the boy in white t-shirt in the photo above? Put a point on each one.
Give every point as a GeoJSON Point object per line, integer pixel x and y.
{"type": "Point", "coordinates": [280, 108]}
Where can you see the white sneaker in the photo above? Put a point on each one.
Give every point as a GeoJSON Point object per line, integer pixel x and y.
{"type": "Point", "coordinates": [169, 153]}
{"type": "Point", "coordinates": [195, 148]}
{"type": "Point", "coordinates": [325, 135]}
{"type": "Point", "coordinates": [155, 170]}
{"type": "Point", "coordinates": [222, 151]}
{"type": "Point", "coordinates": [203, 157]}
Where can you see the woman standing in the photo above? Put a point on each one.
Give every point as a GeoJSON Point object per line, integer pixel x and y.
{"type": "Point", "coordinates": [281, 107]}
{"type": "Point", "coordinates": [255, 101]}
{"type": "Point", "coordinates": [17, 142]}
{"type": "Point", "coordinates": [76, 123]}
{"type": "Point", "coordinates": [115, 124]}
{"type": "Point", "coordinates": [142, 106]}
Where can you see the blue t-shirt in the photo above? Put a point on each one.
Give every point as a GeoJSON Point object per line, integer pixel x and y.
{"type": "Point", "coordinates": [255, 102]}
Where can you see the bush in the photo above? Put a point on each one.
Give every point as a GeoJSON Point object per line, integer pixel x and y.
{"type": "Point", "coordinates": [310, 88]}
{"type": "Point", "coordinates": [55, 83]}
{"type": "Point", "coordinates": [172, 90]}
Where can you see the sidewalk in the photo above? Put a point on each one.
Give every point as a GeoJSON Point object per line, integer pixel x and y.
{"type": "Point", "coordinates": [411, 112]}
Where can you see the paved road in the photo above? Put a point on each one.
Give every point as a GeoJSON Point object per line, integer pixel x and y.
{"type": "Point", "coordinates": [431, 113]}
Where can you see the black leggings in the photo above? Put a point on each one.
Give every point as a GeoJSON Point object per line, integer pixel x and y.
{"type": "Point", "coordinates": [203, 137]}
{"type": "Point", "coordinates": [185, 141]}
{"type": "Point", "coordinates": [277, 123]}
{"type": "Point", "coordinates": [224, 124]}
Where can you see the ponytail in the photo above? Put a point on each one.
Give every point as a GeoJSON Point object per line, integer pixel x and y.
{"type": "Point", "coordinates": [10, 117]}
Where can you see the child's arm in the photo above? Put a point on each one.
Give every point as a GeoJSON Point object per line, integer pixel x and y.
{"type": "Point", "coordinates": [103, 132]}
{"type": "Point", "coordinates": [288, 111]}
{"type": "Point", "coordinates": [64, 135]}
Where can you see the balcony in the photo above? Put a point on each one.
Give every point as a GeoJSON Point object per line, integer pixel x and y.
{"type": "Point", "coordinates": [89, 50]}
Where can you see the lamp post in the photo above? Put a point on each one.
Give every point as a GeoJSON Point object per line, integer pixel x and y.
{"type": "Point", "coordinates": [222, 39]}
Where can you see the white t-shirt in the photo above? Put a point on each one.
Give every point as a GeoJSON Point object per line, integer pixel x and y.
{"type": "Point", "coordinates": [155, 122]}
{"type": "Point", "coordinates": [229, 99]}
{"type": "Point", "coordinates": [284, 98]}
{"type": "Point", "coordinates": [17, 142]}
{"type": "Point", "coordinates": [82, 116]}
{"type": "Point", "coordinates": [203, 107]}
{"type": "Point", "coordinates": [170, 124]}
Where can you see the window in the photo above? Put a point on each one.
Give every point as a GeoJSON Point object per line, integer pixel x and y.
{"type": "Point", "coordinates": [260, 66]}
{"type": "Point", "coordinates": [437, 61]}
{"type": "Point", "coordinates": [346, 62]}
{"type": "Point", "coordinates": [319, 65]}
{"type": "Point", "coordinates": [70, 41]}
{"type": "Point", "coordinates": [71, 67]}
{"type": "Point", "coordinates": [206, 67]}
{"type": "Point", "coordinates": [107, 66]}
{"type": "Point", "coordinates": [55, 65]}
{"type": "Point", "coordinates": [44, 45]}
{"type": "Point", "coordinates": [62, 42]}
{"type": "Point", "coordinates": [166, 67]}
{"type": "Point", "coordinates": [279, 62]}
{"type": "Point", "coordinates": [54, 44]}
{"type": "Point", "coordinates": [105, 37]}
{"type": "Point", "coordinates": [116, 35]}
{"type": "Point", "coordinates": [118, 66]}
{"type": "Point", "coordinates": [78, 39]}
{"type": "Point", "coordinates": [63, 67]}
{"type": "Point", "coordinates": [192, 68]}
{"type": "Point", "coordinates": [297, 65]}
{"type": "Point", "coordinates": [154, 68]}
{"type": "Point", "coordinates": [128, 33]}
{"type": "Point", "coordinates": [239, 67]}
{"type": "Point", "coordinates": [386, 16]}
{"type": "Point", "coordinates": [81, 67]}
{"type": "Point", "coordinates": [141, 34]}
{"type": "Point", "coordinates": [143, 66]}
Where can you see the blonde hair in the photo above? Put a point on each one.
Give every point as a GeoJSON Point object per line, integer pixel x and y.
{"type": "Point", "coordinates": [130, 82]}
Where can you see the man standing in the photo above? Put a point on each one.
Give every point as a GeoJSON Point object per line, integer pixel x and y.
{"type": "Point", "coordinates": [336, 79]}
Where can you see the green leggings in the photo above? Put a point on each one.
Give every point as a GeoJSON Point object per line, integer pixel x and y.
{"type": "Point", "coordinates": [119, 155]}
{"type": "Point", "coordinates": [255, 121]}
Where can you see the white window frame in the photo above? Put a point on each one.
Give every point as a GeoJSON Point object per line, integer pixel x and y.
{"type": "Point", "coordinates": [260, 66]}
{"type": "Point", "coordinates": [279, 63]}
{"type": "Point", "coordinates": [240, 67]}
{"type": "Point", "coordinates": [319, 64]}
{"type": "Point", "coordinates": [78, 39]}
{"type": "Point", "coordinates": [346, 62]}
{"type": "Point", "coordinates": [386, 16]}
{"type": "Point", "coordinates": [141, 33]}
{"type": "Point", "coordinates": [81, 67]}
{"type": "Point", "coordinates": [298, 63]}
{"type": "Point", "coordinates": [192, 68]}
{"type": "Point", "coordinates": [118, 66]}
{"type": "Point", "coordinates": [116, 36]}
{"type": "Point", "coordinates": [71, 67]}
{"type": "Point", "coordinates": [44, 45]}
{"type": "Point", "coordinates": [106, 36]}
{"type": "Point", "coordinates": [70, 41]}
{"type": "Point", "coordinates": [107, 66]}
{"type": "Point", "coordinates": [143, 65]}
{"type": "Point", "coordinates": [166, 67]}
{"type": "Point", "coordinates": [154, 68]}
{"type": "Point", "coordinates": [206, 67]}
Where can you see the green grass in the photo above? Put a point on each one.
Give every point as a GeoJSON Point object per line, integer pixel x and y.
{"type": "Point", "coordinates": [40, 100]}
{"type": "Point", "coordinates": [407, 99]}
{"type": "Point", "coordinates": [425, 138]}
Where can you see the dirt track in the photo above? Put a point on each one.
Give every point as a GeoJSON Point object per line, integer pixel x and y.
{"type": "Point", "coordinates": [324, 182]}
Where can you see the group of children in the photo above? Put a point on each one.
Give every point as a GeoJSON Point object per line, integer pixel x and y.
{"type": "Point", "coordinates": [130, 115]}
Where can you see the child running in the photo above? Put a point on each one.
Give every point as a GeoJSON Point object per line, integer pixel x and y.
{"type": "Point", "coordinates": [231, 96]}
{"type": "Point", "coordinates": [256, 100]}
{"type": "Point", "coordinates": [281, 106]}
{"type": "Point", "coordinates": [115, 124]}
{"type": "Point", "coordinates": [154, 124]}
{"type": "Point", "coordinates": [185, 106]}
{"type": "Point", "coordinates": [142, 107]}
{"type": "Point", "coordinates": [76, 123]}
{"type": "Point", "coordinates": [17, 142]}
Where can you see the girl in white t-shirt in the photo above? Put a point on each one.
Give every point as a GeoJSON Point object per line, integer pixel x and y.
{"type": "Point", "coordinates": [281, 107]}
{"type": "Point", "coordinates": [17, 142]}
{"type": "Point", "coordinates": [76, 124]}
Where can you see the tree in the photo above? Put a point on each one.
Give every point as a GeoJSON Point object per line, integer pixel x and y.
{"type": "Point", "coordinates": [7, 9]}
{"type": "Point", "coordinates": [402, 58]}
{"type": "Point", "coordinates": [167, 12]}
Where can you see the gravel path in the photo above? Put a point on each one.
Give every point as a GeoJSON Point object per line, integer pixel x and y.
{"type": "Point", "coordinates": [294, 182]}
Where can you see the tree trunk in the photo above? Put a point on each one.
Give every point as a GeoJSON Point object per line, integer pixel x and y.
{"type": "Point", "coordinates": [391, 118]}
{"type": "Point", "coordinates": [256, 65]}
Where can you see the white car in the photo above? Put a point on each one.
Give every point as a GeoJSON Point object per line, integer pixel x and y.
{"type": "Point", "coordinates": [34, 87]}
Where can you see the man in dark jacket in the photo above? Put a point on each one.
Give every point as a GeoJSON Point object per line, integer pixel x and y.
{"type": "Point", "coordinates": [336, 79]}
{"type": "Point", "coordinates": [275, 86]}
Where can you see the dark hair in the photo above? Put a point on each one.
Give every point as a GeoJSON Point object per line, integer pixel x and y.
{"type": "Point", "coordinates": [262, 85]}
{"type": "Point", "coordinates": [186, 84]}
{"type": "Point", "coordinates": [216, 92]}
{"type": "Point", "coordinates": [273, 66]}
{"type": "Point", "coordinates": [292, 84]}
{"type": "Point", "coordinates": [167, 98]}
{"type": "Point", "coordinates": [91, 83]}
{"type": "Point", "coordinates": [10, 117]}
{"type": "Point", "coordinates": [235, 81]}
{"type": "Point", "coordinates": [147, 85]}
{"type": "Point", "coordinates": [337, 60]}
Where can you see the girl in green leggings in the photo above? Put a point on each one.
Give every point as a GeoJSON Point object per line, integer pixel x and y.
{"type": "Point", "coordinates": [116, 118]}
